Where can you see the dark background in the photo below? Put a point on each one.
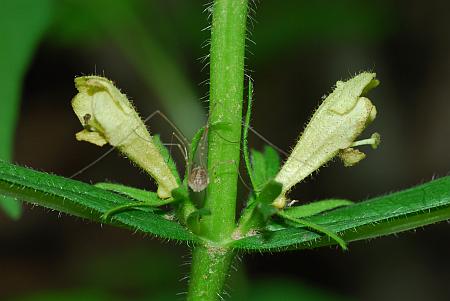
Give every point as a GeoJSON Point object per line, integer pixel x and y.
{"type": "Point", "coordinates": [300, 51]}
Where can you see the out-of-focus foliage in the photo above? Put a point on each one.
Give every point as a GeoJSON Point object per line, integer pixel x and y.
{"type": "Point", "coordinates": [289, 290]}
{"type": "Point", "coordinates": [275, 289]}
{"type": "Point", "coordinates": [145, 39]}
{"type": "Point", "coordinates": [286, 24]}
{"type": "Point", "coordinates": [289, 23]}
{"type": "Point", "coordinates": [22, 23]}
{"type": "Point", "coordinates": [76, 295]}
{"type": "Point", "coordinates": [145, 274]}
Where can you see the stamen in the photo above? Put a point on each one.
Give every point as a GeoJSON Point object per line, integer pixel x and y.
{"type": "Point", "coordinates": [373, 141]}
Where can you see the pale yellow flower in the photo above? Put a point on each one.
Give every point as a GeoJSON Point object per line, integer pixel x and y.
{"type": "Point", "coordinates": [109, 117]}
{"type": "Point", "coordinates": [332, 130]}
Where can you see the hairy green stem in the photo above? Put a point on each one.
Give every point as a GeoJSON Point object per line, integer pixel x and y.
{"type": "Point", "coordinates": [209, 272]}
{"type": "Point", "coordinates": [226, 92]}
{"type": "Point", "coordinates": [210, 265]}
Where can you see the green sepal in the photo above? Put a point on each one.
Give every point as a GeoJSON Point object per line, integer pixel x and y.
{"type": "Point", "coordinates": [265, 166]}
{"type": "Point", "coordinates": [371, 85]}
{"type": "Point", "coordinates": [185, 207]}
{"type": "Point", "coordinates": [193, 220]}
{"type": "Point", "coordinates": [181, 194]}
{"type": "Point", "coordinates": [266, 197]}
{"type": "Point", "coordinates": [259, 208]}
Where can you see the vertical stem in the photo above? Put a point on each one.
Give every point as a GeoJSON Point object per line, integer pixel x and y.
{"type": "Point", "coordinates": [226, 92]}
{"type": "Point", "coordinates": [211, 261]}
{"type": "Point", "coordinates": [210, 267]}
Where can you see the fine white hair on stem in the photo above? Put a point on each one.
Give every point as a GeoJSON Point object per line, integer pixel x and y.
{"type": "Point", "coordinates": [206, 43]}
{"type": "Point", "coordinates": [203, 59]}
{"type": "Point", "coordinates": [204, 82]}
{"type": "Point", "coordinates": [208, 9]}
{"type": "Point", "coordinates": [249, 39]}
{"type": "Point", "coordinates": [205, 65]}
{"type": "Point", "coordinates": [207, 28]}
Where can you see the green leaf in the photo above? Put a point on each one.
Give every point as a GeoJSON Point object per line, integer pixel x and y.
{"type": "Point", "coordinates": [264, 166]}
{"type": "Point", "coordinates": [315, 227]}
{"type": "Point", "coordinates": [316, 208]}
{"type": "Point", "coordinates": [147, 200]}
{"type": "Point", "coordinates": [265, 199]}
{"type": "Point", "coordinates": [263, 169]}
{"type": "Point", "coordinates": [405, 210]}
{"type": "Point", "coordinates": [22, 24]}
{"type": "Point", "coordinates": [83, 200]}
{"type": "Point", "coordinates": [148, 197]}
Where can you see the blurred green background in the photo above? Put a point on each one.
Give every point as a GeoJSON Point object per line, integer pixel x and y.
{"type": "Point", "coordinates": [154, 51]}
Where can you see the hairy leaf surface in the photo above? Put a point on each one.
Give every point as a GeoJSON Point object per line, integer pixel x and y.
{"type": "Point", "coordinates": [405, 210]}
{"type": "Point", "coordinates": [83, 200]}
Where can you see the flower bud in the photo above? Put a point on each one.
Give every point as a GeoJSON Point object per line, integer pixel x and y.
{"type": "Point", "coordinates": [108, 117]}
{"type": "Point", "coordinates": [338, 121]}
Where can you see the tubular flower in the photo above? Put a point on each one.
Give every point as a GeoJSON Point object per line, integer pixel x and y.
{"type": "Point", "coordinates": [332, 131]}
{"type": "Point", "coordinates": [108, 117]}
